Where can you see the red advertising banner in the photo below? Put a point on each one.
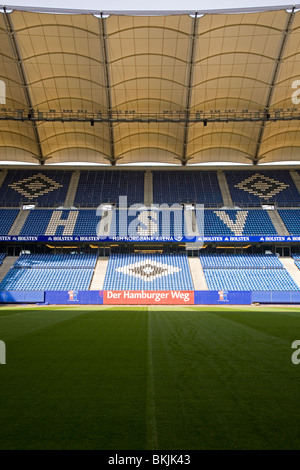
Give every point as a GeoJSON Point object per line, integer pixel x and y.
{"type": "Point", "coordinates": [147, 297]}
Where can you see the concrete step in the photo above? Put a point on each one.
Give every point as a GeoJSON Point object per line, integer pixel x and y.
{"type": "Point", "coordinates": [292, 269]}
{"type": "Point", "coordinates": [99, 273]}
{"type": "Point", "coordinates": [6, 265]}
{"type": "Point", "coordinates": [19, 222]}
{"type": "Point", "coordinates": [191, 224]}
{"type": "Point", "coordinates": [197, 274]}
{"type": "Point", "coordinates": [70, 197]}
{"type": "Point", "coordinates": [148, 188]}
{"type": "Point", "coordinates": [296, 178]}
{"type": "Point", "coordinates": [227, 200]}
{"type": "Point", "coordinates": [278, 222]}
{"type": "Point", "coordinates": [3, 174]}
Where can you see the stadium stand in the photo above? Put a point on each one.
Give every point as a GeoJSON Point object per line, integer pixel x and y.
{"type": "Point", "coordinates": [84, 222]}
{"type": "Point", "coordinates": [227, 260]}
{"type": "Point", "coordinates": [234, 222]}
{"type": "Point", "coordinates": [249, 279]}
{"type": "Point", "coordinates": [155, 223]}
{"type": "Point", "coordinates": [291, 220]}
{"type": "Point", "coordinates": [95, 187]}
{"type": "Point", "coordinates": [50, 272]}
{"type": "Point", "coordinates": [296, 258]}
{"type": "Point", "coordinates": [246, 272]}
{"type": "Point", "coordinates": [148, 272]}
{"type": "Point", "coordinates": [251, 189]}
{"type": "Point", "coordinates": [152, 223]}
{"type": "Point", "coordinates": [45, 188]}
{"type": "Point", "coordinates": [2, 256]}
{"type": "Point", "coordinates": [7, 218]}
{"type": "Point", "coordinates": [201, 187]}
{"type": "Point", "coordinates": [43, 221]}
{"type": "Point", "coordinates": [56, 261]}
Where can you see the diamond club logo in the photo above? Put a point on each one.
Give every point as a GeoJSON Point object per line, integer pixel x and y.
{"type": "Point", "coordinates": [261, 186]}
{"type": "Point", "coordinates": [148, 270]}
{"type": "Point", "coordinates": [35, 186]}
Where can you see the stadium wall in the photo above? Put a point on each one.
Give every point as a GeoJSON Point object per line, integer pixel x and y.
{"type": "Point", "coordinates": [223, 297]}
{"type": "Point", "coordinates": [276, 297]}
{"type": "Point", "coordinates": [73, 297]}
{"type": "Point", "coordinates": [22, 297]}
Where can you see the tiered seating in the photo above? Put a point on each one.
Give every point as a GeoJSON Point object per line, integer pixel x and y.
{"type": "Point", "coordinates": [246, 272]}
{"type": "Point", "coordinates": [253, 188]}
{"type": "Point", "coordinates": [46, 188]}
{"type": "Point", "coordinates": [50, 272]}
{"type": "Point", "coordinates": [249, 279]}
{"type": "Point", "coordinates": [2, 256]}
{"type": "Point", "coordinates": [152, 223]}
{"type": "Point", "coordinates": [189, 186]}
{"type": "Point", "coordinates": [227, 260]}
{"type": "Point", "coordinates": [155, 223]}
{"type": "Point", "coordinates": [296, 258]}
{"type": "Point", "coordinates": [148, 272]}
{"type": "Point", "coordinates": [7, 218]}
{"type": "Point", "coordinates": [95, 187]}
{"type": "Point", "coordinates": [56, 261]}
{"type": "Point", "coordinates": [291, 219]}
{"type": "Point", "coordinates": [85, 223]}
{"type": "Point", "coordinates": [36, 222]}
{"type": "Point", "coordinates": [234, 222]}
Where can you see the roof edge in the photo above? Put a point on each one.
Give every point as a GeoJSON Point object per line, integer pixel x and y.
{"type": "Point", "coordinates": [150, 12]}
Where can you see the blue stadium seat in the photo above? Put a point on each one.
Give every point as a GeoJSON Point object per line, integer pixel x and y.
{"type": "Point", "coordinates": [291, 219]}
{"type": "Point", "coordinates": [2, 256]}
{"type": "Point", "coordinates": [253, 188]}
{"type": "Point", "coordinates": [245, 272]}
{"type": "Point", "coordinates": [155, 223]}
{"type": "Point", "coordinates": [148, 272]}
{"type": "Point", "coordinates": [7, 218]}
{"type": "Point", "coordinates": [296, 258]}
{"type": "Point", "coordinates": [38, 221]}
{"type": "Point", "coordinates": [46, 188]}
{"type": "Point", "coordinates": [190, 186]}
{"type": "Point", "coordinates": [237, 222]}
{"type": "Point", "coordinates": [50, 272]}
{"type": "Point", "coordinates": [96, 187]}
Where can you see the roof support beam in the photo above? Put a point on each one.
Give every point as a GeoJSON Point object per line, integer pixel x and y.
{"type": "Point", "coordinates": [194, 36]}
{"type": "Point", "coordinates": [103, 40]}
{"type": "Point", "coordinates": [278, 62]}
{"type": "Point", "coordinates": [20, 66]}
{"type": "Point", "coordinates": [115, 117]}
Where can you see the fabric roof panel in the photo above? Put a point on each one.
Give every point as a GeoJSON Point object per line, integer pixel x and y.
{"type": "Point", "coordinates": [150, 64]}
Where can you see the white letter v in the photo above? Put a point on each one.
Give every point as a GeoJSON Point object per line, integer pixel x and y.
{"type": "Point", "coordinates": [238, 226]}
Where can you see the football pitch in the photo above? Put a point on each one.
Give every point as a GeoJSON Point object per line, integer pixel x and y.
{"type": "Point", "coordinates": [156, 378]}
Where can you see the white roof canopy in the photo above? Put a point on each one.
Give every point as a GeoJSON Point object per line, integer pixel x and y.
{"type": "Point", "coordinates": [124, 66]}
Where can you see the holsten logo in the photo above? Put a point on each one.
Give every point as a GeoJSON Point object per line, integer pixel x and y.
{"type": "Point", "coordinates": [296, 354]}
{"type": "Point", "coordinates": [2, 352]}
{"type": "Point", "coordinates": [2, 92]}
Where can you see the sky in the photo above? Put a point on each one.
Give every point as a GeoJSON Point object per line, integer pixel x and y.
{"type": "Point", "coordinates": [143, 5]}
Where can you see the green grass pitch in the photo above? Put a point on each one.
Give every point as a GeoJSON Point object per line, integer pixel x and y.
{"type": "Point", "coordinates": [156, 378]}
